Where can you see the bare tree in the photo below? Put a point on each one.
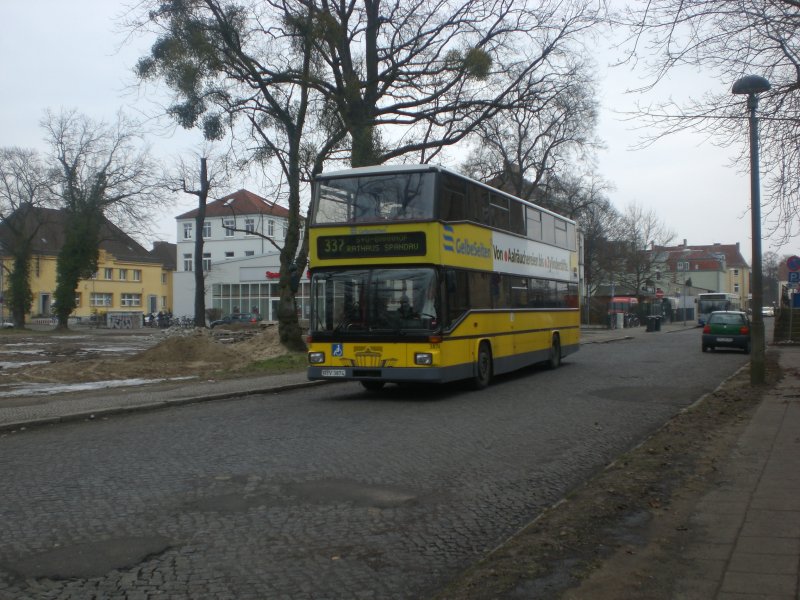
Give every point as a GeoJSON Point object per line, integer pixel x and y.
{"type": "Point", "coordinates": [101, 173]}
{"type": "Point", "coordinates": [230, 64]}
{"type": "Point", "coordinates": [24, 188]}
{"type": "Point", "coordinates": [395, 79]}
{"type": "Point", "coordinates": [771, 262]}
{"type": "Point", "coordinates": [639, 231]}
{"type": "Point", "coordinates": [528, 149]}
{"type": "Point", "coordinates": [729, 39]}
{"type": "Point", "coordinates": [435, 70]}
{"type": "Point", "coordinates": [200, 183]}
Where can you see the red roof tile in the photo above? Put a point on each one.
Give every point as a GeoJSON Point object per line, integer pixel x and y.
{"type": "Point", "coordinates": [731, 252]}
{"type": "Point", "coordinates": [240, 202]}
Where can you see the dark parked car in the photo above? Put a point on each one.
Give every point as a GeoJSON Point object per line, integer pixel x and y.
{"type": "Point", "coordinates": [238, 319]}
{"type": "Point", "coordinates": [727, 329]}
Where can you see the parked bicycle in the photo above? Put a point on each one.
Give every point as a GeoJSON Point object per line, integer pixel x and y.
{"type": "Point", "coordinates": [631, 320]}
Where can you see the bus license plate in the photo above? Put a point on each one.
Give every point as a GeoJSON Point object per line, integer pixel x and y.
{"type": "Point", "coordinates": [333, 372]}
{"type": "Point", "coordinates": [724, 339]}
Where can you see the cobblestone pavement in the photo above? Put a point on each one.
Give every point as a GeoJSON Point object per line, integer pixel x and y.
{"type": "Point", "coordinates": [325, 492]}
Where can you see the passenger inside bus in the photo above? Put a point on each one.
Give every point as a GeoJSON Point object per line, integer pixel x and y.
{"type": "Point", "coordinates": [404, 310]}
{"type": "Point", "coordinates": [425, 305]}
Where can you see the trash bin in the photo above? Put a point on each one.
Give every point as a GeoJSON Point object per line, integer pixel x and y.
{"type": "Point", "coordinates": [651, 323]}
{"type": "Point", "coordinates": [620, 320]}
{"type": "Point", "coordinates": [658, 323]}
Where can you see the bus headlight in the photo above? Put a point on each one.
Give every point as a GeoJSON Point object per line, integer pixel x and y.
{"type": "Point", "coordinates": [423, 358]}
{"type": "Point", "coordinates": [316, 358]}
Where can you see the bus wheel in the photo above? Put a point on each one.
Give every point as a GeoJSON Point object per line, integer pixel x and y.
{"type": "Point", "coordinates": [554, 360]}
{"type": "Point", "coordinates": [372, 386]}
{"type": "Point", "coordinates": [483, 367]}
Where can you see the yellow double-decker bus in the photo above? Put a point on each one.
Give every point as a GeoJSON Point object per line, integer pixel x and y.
{"type": "Point", "coordinates": [419, 274]}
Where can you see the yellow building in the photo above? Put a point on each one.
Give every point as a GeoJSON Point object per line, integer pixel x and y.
{"type": "Point", "coordinates": [130, 281]}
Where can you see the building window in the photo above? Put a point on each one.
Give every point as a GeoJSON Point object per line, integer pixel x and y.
{"type": "Point", "coordinates": [187, 231]}
{"type": "Point", "coordinates": [206, 261]}
{"type": "Point", "coordinates": [249, 225]}
{"type": "Point", "coordinates": [123, 274]}
{"type": "Point", "coordinates": [285, 228]}
{"type": "Point", "coordinates": [736, 272]}
{"type": "Point", "coordinates": [229, 254]}
{"type": "Point", "coordinates": [163, 279]}
{"type": "Point", "coordinates": [658, 275]}
{"type": "Point", "coordinates": [131, 300]}
{"type": "Point", "coordinates": [94, 275]}
{"type": "Point", "coordinates": [137, 274]}
{"type": "Point", "coordinates": [736, 288]}
{"type": "Point", "coordinates": [163, 302]}
{"type": "Point", "coordinates": [249, 253]}
{"type": "Point", "coordinates": [206, 230]}
{"type": "Point", "coordinates": [187, 262]}
{"type": "Point", "coordinates": [228, 224]}
{"type": "Point", "coordinates": [270, 228]}
{"type": "Point", "coordinates": [108, 274]}
{"type": "Point", "coordinates": [77, 299]}
{"type": "Point", "coordinates": [100, 299]}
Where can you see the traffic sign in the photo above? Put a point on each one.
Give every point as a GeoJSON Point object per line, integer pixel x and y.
{"type": "Point", "coordinates": [794, 276]}
{"type": "Point", "coordinates": [793, 262]}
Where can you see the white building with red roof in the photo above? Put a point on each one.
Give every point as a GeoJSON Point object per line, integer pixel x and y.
{"type": "Point", "coordinates": [242, 234]}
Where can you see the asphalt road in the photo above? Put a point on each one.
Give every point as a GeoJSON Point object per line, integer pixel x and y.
{"type": "Point", "coordinates": [328, 492]}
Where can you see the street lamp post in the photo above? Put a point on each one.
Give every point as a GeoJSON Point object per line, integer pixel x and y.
{"type": "Point", "coordinates": [752, 85]}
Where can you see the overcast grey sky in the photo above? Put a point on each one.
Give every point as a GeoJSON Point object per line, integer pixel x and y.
{"type": "Point", "coordinates": [72, 54]}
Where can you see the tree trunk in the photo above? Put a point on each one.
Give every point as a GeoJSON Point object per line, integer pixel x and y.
{"type": "Point", "coordinates": [77, 260]}
{"type": "Point", "coordinates": [20, 296]}
{"type": "Point", "coordinates": [289, 330]}
{"type": "Point", "coordinates": [199, 274]}
{"type": "Point", "coordinates": [363, 154]}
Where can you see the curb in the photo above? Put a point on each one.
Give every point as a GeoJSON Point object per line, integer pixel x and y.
{"type": "Point", "coordinates": [151, 406]}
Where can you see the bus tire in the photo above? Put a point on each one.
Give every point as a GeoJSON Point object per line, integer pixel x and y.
{"type": "Point", "coordinates": [373, 386]}
{"type": "Point", "coordinates": [483, 367]}
{"type": "Point", "coordinates": [554, 360]}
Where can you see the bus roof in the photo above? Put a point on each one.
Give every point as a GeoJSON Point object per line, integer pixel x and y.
{"type": "Point", "coordinates": [713, 295]}
{"type": "Point", "coordinates": [425, 168]}
{"type": "Point", "coordinates": [382, 169]}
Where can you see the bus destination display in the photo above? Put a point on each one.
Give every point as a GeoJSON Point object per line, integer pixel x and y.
{"type": "Point", "coordinates": [409, 243]}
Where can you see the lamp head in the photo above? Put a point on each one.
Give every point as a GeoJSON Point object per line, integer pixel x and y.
{"type": "Point", "coordinates": [751, 84]}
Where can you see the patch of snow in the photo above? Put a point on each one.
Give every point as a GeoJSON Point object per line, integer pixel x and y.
{"type": "Point", "coordinates": [16, 365]}
{"type": "Point", "coordinates": [49, 389]}
{"type": "Point", "coordinates": [111, 349]}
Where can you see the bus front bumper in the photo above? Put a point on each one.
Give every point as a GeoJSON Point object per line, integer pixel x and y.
{"type": "Point", "coordinates": [390, 375]}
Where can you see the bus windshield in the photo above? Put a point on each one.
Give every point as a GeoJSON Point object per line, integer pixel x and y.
{"type": "Point", "coordinates": [708, 303]}
{"type": "Point", "coordinates": [366, 199]}
{"type": "Point", "coordinates": [374, 300]}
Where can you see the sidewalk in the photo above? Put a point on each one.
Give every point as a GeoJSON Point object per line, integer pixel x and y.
{"type": "Point", "coordinates": [751, 523]}
{"type": "Point", "coordinates": [27, 411]}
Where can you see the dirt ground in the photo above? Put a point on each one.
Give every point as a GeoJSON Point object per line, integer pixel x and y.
{"type": "Point", "coordinates": [85, 356]}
